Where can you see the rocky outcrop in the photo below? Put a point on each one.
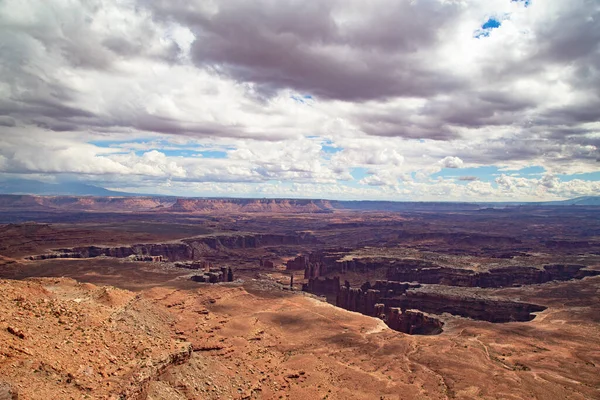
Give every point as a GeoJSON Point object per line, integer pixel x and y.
{"type": "Point", "coordinates": [297, 264]}
{"type": "Point", "coordinates": [148, 258]}
{"type": "Point", "coordinates": [323, 286]}
{"type": "Point", "coordinates": [318, 263]}
{"type": "Point", "coordinates": [215, 275]}
{"type": "Point", "coordinates": [312, 266]}
{"type": "Point", "coordinates": [373, 301]}
{"type": "Point", "coordinates": [204, 265]}
{"type": "Point", "coordinates": [369, 299]}
{"type": "Point", "coordinates": [365, 298]}
{"type": "Point", "coordinates": [412, 322]}
{"type": "Point", "coordinates": [7, 392]}
{"type": "Point", "coordinates": [139, 380]}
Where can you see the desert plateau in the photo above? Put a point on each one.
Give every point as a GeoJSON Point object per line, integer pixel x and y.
{"type": "Point", "coordinates": [159, 298]}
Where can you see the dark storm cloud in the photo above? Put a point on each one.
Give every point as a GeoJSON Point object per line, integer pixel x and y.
{"type": "Point", "coordinates": [439, 117]}
{"type": "Point", "coordinates": [574, 36]}
{"type": "Point", "coordinates": [474, 110]}
{"type": "Point", "coordinates": [528, 149]}
{"type": "Point", "coordinates": [402, 124]}
{"type": "Point", "coordinates": [7, 121]}
{"type": "Point", "coordinates": [337, 50]}
{"type": "Point", "coordinates": [570, 114]}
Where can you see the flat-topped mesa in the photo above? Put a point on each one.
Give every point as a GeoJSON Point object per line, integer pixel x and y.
{"type": "Point", "coordinates": [138, 252]}
{"type": "Point", "coordinates": [184, 250]}
{"type": "Point", "coordinates": [498, 277]}
{"type": "Point", "coordinates": [250, 205]}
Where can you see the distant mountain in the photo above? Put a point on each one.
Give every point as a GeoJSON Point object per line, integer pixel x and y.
{"type": "Point", "coordinates": [374, 205]}
{"type": "Point", "coordinates": [26, 186]}
{"type": "Point", "coordinates": [31, 187]}
{"type": "Point", "coordinates": [578, 201]}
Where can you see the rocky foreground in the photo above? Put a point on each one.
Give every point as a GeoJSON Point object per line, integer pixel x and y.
{"type": "Point", "coordinates": [60, 339]}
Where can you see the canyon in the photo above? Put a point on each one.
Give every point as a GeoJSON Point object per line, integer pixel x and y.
{"type": "Point", "coordinates": [172, 298]}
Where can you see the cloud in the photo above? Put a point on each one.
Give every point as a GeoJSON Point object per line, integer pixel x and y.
{"type": "Point", "coordinates": [330, 49]}
{"type": "Point", "coordinates": [451, 162]}
{"type": "Point", "coordinates": [400, 90]}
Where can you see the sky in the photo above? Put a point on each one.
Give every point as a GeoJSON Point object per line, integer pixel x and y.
{"type": "Point", "coordinates": [408, 100]}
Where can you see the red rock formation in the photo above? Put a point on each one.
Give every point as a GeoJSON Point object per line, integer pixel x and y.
{"type": "Point", "coordinates": [251, 205]}
{"type": "Point", "coordinates": [215, 275]}
{"type": "Point", "coordinates": [469, 307]}
{"type": "Point", "coordinates": [367, 300]}
{"type": "Point", "coordinates": [297, 264]}
{"type": "Point", "coordinates": [322, 285]}
{"type": "Point", "coordinates": [412, 322]}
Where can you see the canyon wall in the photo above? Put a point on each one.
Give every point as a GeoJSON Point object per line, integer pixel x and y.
{"type": "Point", "coordinates": [494, 278]}
{"type": "Point", "coordinates": [412, 322]}
{"type": "Point", "coordinates": [189, 249]}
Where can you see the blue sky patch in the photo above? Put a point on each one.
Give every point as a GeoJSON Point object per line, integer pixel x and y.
{"type": "Point", "coordinates": [165, 147]}
{"type": "Point", "coordinates": [359, 173]}
{"type": "Point", "coordinates": [588, 176]}
{"type": "Point", "coordinates": [108, 144]}
{"type": "Point", "coordinates": [489, 25]}
{"type": "Point", "coordinates": [213, 154]}
{"type": "Point", "coordinates": [485, 174]}
{"type": "Point", "coordinates": [330, 149]}
{"type": "Point", "coordinates": [525, 172]}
